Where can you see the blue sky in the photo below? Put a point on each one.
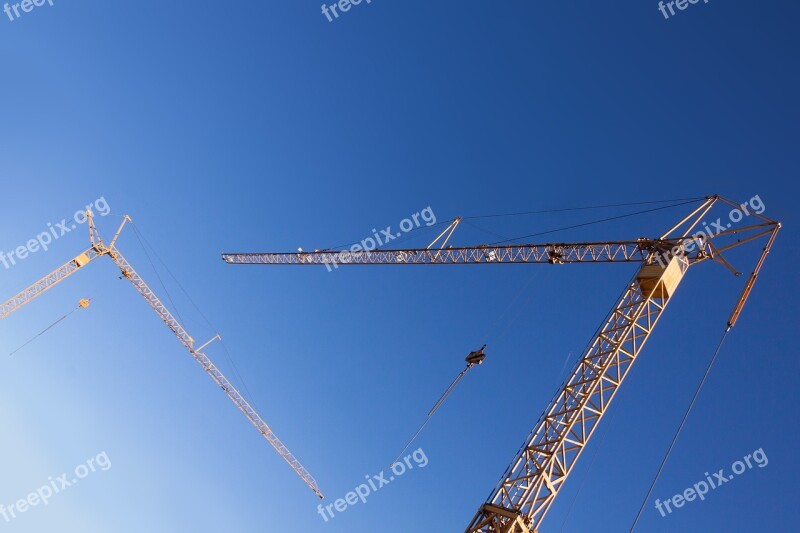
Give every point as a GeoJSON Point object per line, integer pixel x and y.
{"type": "Point", "coordinates": [264, 127]}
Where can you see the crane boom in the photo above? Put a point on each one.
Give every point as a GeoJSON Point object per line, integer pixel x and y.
{"type": "Point", "coordinates": [597, 252]}
{"type": "Point", "coordinates": [98, 249]}
{"type": "Point", "coordinates": [47, 282]}
{"type": "Point", "coordinates": [530, 484]}
{"type": "Point", "coordinates": [130, 274]}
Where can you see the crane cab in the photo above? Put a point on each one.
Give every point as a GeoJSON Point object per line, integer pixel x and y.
{"type": "Point", "coordinates": [659, 274]}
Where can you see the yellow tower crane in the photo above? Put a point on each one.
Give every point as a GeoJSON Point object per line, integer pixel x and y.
{"type": "Point", "coordinates": [98, 249]}
{"type": "Point", "coordinates": [530, 484]}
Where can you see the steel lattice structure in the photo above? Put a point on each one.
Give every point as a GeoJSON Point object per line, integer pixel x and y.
{"type": "Point", "coordinates": [544, 462]}
{"type": "Point", "coordinates": [527, 253]}
{"type": "Point", "coordinates": [99, 249]}
{"type": "Point", "coordinates": [48, 282]}
{"type": "Point", "coordinates": [530, 484]}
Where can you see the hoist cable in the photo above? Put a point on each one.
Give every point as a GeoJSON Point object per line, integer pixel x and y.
{"type": "Point", "coordinates": [680, 428]}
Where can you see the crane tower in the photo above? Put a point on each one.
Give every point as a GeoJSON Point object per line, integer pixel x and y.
{"type": "Point", "coordinates": [539, 469]}
{"type": "Point", "coordinates": [99, 249]}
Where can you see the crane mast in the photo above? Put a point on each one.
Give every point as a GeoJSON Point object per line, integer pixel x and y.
{"type": "Point", "coordinates": [541, 467]}
{"type": "Point", "coordinates": [99, 249]}
{"type": "Point", "coordinates": [532, 481]}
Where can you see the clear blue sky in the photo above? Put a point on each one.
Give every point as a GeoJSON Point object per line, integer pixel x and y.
{"type": "Point", "coordinates": [261, 126]}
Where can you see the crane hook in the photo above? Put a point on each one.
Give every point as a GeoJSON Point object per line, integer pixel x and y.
{"type": "Point", "coordinates": [476, 357]}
